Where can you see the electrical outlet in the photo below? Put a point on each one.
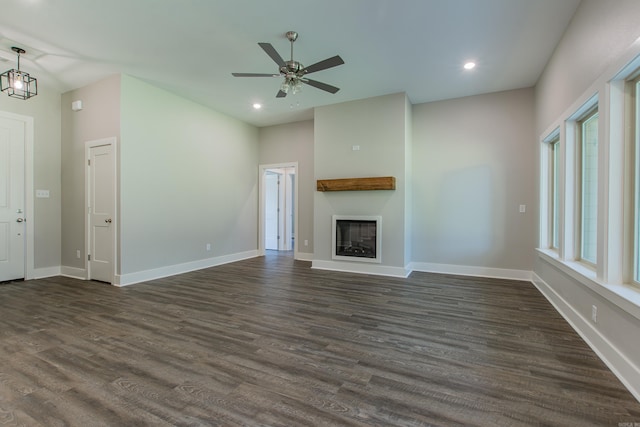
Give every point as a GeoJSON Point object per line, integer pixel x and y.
{"type": "Point", "coordinates": [78, 253]}
{"type": "Point", "coordinates": [306, 243]}
{"type": "Point", "coordinates": [594, 313]}
{"type": "Point", "coordinates": [208, 246]}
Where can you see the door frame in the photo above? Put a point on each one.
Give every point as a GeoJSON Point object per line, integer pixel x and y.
{"type": "Point", "coordinates": [262, 169]}
{"type": "Point", "coordinates": [87, 223]}
{"type": "Point", "coordinates": [29, 251]}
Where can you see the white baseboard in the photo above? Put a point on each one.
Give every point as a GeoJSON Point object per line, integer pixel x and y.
{"type": "Point", "coordinates": [305, 256]}
{"type": "Point", "coordinates": [363, 268]}
{"type": "Point", "coordinates": [623, 368]}
{"type": "Point", "coordinates": [172, 270]}
{"type": "Point", "coordinates": [467, 270]}
{"type": "Point", "coordinates": [74, 273]}
{"type": "Point", "coordinates": [41, 273]}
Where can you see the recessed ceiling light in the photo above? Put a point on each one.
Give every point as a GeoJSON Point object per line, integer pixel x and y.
{"type": "Point", "coordinates": [257, 106]}
{"type": "Point", "coordinates": [469, 65]}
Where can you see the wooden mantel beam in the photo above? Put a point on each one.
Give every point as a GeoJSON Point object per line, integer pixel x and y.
{"type": "Point", "coordinates": [357, 184]}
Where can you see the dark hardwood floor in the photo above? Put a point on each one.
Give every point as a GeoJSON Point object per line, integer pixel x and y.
{"type": "Point", "coordinates": [271, 342]}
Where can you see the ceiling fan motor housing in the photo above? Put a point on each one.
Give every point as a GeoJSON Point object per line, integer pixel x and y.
{"type": "Point", "coordinates": [292, 68]}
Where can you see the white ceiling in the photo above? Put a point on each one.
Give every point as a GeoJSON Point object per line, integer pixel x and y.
{"type": "Point", "coordinates": [191, 47]}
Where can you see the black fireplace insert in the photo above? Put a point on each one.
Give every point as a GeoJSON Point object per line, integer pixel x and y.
{"type": "Point", "coordinates": [356, 238]}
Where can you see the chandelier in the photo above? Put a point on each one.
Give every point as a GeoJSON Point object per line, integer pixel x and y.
{"type": "Point", "coordinates": [16, 83]}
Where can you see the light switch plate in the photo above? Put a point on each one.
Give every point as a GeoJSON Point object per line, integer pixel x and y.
{"type": "Point", "coordinates": [42, 194]}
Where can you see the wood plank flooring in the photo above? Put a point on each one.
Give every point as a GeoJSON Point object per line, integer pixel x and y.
{"type": "Point", "coordinates": [271, 342]}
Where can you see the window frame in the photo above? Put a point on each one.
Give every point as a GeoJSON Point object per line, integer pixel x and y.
{"type": "Point", "coordinates": [550, 213]}
{"type": "Point", "coordinates": [554, 194]}
{"type": "Point", "coordinates": [632, 179]}
{"type": "Point", "coordinates": [591, 113]}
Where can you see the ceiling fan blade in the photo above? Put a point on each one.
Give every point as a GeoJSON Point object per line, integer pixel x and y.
{"type": "Point", "coordinates": [254, 75]}
{"type": "Point", "coordinates": [281, 94]}
{"type": "Point", "coordinates": [270, 50]}
{"type": "Point", "coordinates": [323, 65]}
{"type": "Point", "coordinates": [320, 85]}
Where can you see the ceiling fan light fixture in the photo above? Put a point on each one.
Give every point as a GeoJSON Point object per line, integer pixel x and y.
{"type": "Point", "coordinates": [16, 83]}
{"type": "Point", "coordinates": [296, 86]}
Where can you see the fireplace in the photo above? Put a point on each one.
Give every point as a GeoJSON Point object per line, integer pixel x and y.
{"type": "Point", "coordinates": [356, 238]}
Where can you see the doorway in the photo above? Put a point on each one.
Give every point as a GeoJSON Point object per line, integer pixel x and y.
{"type": "Point", "coordinates": [16, 201]}
{"type": "Point", "coordinates": [101, 209]}
{"type": "Point", "coordinates": [278, 208]}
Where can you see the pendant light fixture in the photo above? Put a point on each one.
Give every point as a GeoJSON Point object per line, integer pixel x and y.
{"type": "Point", "coordinates": [16, 83]}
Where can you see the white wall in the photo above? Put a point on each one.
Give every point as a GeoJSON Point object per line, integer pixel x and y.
{"type": "Point", "coordinates": [601, 38]}
{"type": "Point", "coordinates": [45, 110]}
{"type": "Point", "coordinates": [598, 34]}
{"type": "Point", "coordinates": [293, 142]}
{"type": "Point", "coordinates": [378, 126]}
{"type": "Point", "coordinates": [473, 166]}
{"type": "Point", "coordinates": [188, 177]}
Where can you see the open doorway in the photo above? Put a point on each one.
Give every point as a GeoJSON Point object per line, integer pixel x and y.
{"type": "Point", "coordinates": [278, 208]}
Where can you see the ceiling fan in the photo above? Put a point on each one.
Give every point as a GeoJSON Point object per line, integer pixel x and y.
{"type": "Point", "coordinates": [294, 72]}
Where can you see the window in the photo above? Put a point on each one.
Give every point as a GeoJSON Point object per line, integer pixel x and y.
{"type": "Point", "coordinates": [550, 206]}
{"type": "Point", "coordinates": [636, 183]}
{"type": "Point", "coordinates": [555, 194]}
{"type": "Point", "coordinates": [588, 180]}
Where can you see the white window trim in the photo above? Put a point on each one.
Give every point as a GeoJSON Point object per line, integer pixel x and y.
{"type": "Point", "coordinates": [581, 189]}
{"type": "Point", "coordinates": [572, 187]}
{"type": "Point", "coordinates": [615, 216]}
{"type": "Point", "coordinates": [546, 191]}
{"type": "Point", "coordinates": [633, 179]}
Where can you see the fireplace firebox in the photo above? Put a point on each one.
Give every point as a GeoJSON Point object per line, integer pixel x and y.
{"type": "Point", "coordinates": [356, 238]}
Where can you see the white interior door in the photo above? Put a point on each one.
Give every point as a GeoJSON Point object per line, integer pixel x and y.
{"type": "Point", "coordinates": [12, 199]}
{"type": "Point", "coordinates": [272, 206]}
{"type": "Point", "coordinates": [101, 211]}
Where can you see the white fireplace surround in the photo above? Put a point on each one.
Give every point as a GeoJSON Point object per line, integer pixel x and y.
{"type": "Point", "coordinates": [378, 221]}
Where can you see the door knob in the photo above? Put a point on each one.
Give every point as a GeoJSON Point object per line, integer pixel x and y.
{"type": "Point", "coordinates": [108, 221]}
{"type": "Point", "coordinates": [20, 220]}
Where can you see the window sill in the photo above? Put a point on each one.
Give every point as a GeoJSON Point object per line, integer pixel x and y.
{"type": "Point", "coordinates": [624, 296]}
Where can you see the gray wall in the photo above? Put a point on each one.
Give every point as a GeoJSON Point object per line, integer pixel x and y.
{"type": "Point", "coordinates": [188, 177]}
{"type": "Point", "coordinates": [601, 37]}
{"type": "Point", "coordinates": [99, 118]}
{"type": "Point", "coordinates": [378, 126]}
{"type": "Point", "coordinates": [45, 110]}
{"type": "Point", "coordinates": [473, 165]}
{"type": "Point", "coordinates": [293, 142]}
